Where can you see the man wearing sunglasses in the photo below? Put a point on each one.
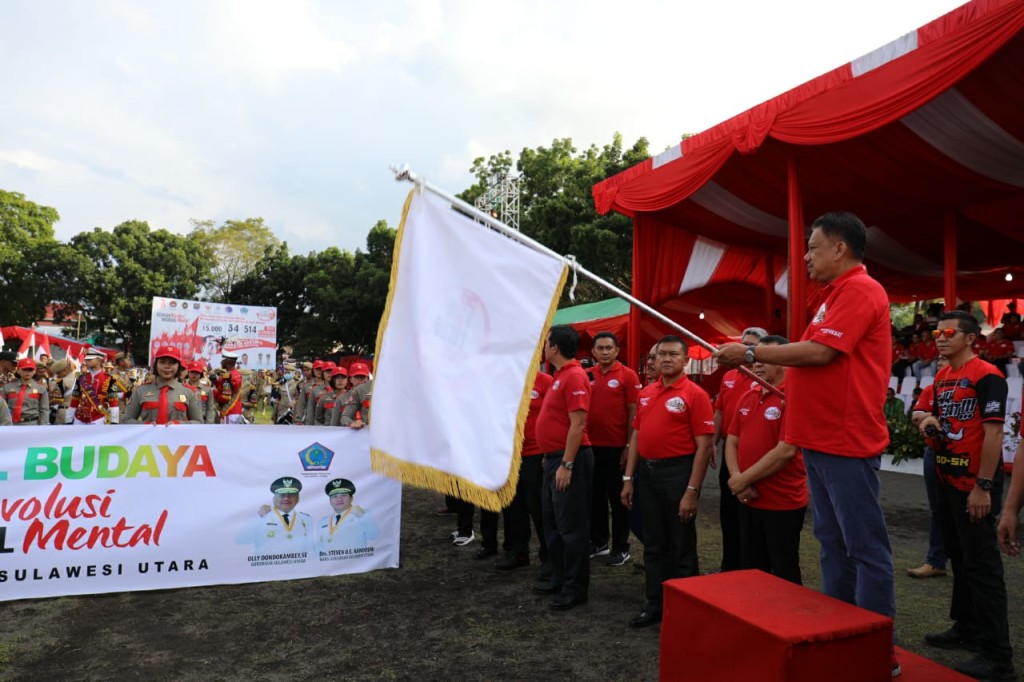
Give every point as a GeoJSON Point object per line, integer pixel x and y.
{"type": "Point", "coordinates": [968, 415]}
{"type": "Point", "coordinates": [836, 387]}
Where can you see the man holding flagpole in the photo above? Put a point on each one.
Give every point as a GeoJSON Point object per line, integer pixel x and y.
{"type": "Point", "coordinates": [568, 472]}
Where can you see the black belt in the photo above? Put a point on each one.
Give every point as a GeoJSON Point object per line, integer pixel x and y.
{"type": "Point", "coordinates": [557, 454]}
{"type": "Point", "coordinates": [666, 461]}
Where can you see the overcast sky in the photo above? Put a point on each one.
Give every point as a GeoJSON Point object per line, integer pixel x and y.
{"type": "Point", "coordinates": [113, 110]}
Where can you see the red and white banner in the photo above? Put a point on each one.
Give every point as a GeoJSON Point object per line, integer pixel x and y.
{"type": "Point", "coordinates": [120, 508]}
{"type": "Point", "coordinates": [198, 329]}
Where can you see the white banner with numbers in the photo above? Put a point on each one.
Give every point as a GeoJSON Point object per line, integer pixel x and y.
{"type": "Point", "coordinates": [199, 328]}
{"type": "Point", "coordinates": [122, 508]}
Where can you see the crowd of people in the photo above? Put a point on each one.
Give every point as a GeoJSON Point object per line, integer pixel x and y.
{"type": "Point", "coordinates": [44, 391]}
{"type": "Point", "coordinates": [795, 423]}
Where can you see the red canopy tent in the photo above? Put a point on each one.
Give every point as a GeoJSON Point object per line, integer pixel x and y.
{"type": "Point", "coordinates": [70, 346]}
{"type": "Point", "coordinates": [922, 138]}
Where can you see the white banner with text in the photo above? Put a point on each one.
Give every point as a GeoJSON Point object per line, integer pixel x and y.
{"type": "Point", "coordinates": [122, 508]}
{"type": "Point", "coordinates": [200, 329]}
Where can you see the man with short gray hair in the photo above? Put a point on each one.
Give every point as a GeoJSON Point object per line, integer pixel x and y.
{"type": "Point", "coordinates": [734, 386]}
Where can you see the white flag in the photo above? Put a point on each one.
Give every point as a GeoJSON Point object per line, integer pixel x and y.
{"type": "Point", "coordinates": [459, 345]}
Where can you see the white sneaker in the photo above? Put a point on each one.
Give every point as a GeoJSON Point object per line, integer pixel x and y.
{"type": "Point", "coordinates": [463, 540]}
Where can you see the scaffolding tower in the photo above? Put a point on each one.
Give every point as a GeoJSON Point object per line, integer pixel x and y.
{"type": "Point", "coordinates": [501, 200]}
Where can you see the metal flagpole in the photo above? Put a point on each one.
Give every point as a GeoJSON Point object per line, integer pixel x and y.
{"type": "Point", "coordinates": [404, 173]}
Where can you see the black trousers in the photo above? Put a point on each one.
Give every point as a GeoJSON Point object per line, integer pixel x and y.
{"type": "Point", "coordinates": [607, 492]}
{"type": "Point", "coordinates": [770, 541]}
{"type": "Point", "coordinates": [670, 546]}
{"type": "Point", "coordinates": [526, 507]}
{"type": "Point", "coordinates": [729, 519]}
{"type": "Point", "coordinates": [567, 523]}
{"type": "Point", "coordinates": [979, 591]}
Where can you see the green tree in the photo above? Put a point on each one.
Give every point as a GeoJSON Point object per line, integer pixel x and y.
{"type": "Point", "coordinates": [122, 270]}
{"type": "Point", "coordinates": [237, 246]}
{"type": "Point", "coordinates": [557, 207]}
{"type": "Point", "coordinates": [278, 279]}
{"type": "Point", "coordinates": [31, 259]}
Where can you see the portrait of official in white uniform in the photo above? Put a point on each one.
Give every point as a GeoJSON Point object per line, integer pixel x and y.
{"type": "Point", "coordinates": [348, 526]}
{"type": "Point", "coordinates": [279, 528]}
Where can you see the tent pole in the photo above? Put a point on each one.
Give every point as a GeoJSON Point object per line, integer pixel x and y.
{"type": "Point", "coordinates": [403, 173]}
{"type": "Point", "coordinates": [633, 330]}
{"type": "Point", "coordinates": [949, 259]}
{"type": "Point", "coordinates": [769, 293]}
{"type": "Point", "coordinates": [797, 271]}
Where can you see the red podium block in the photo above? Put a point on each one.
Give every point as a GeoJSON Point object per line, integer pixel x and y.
{"type": "Point", "coordinates": [748, 625]}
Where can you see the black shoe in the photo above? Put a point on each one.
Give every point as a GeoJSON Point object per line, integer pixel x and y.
{"type": "Point", "coordinates": [981, 668]}
{"type": "Point", "coordinates": [485, 553]}
{"type": "Point", "coordinates": [546, 587]}
{"type": "Point", "coordinates": [646, 619]}
{"type": "Point", "coordinates": [953, 638]}
{"type": "Point", "coordinates": [512, 562]}
{"type": "Point", "coordinates": [545, 572]}
{"type": "Point", "coordinates": [598, 550]}
{"type": "Point", "coordinates": [564, 602]}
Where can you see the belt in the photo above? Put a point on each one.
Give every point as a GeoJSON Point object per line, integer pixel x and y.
{"type": "Point", "coordinates": [557, 454]}
{"type": "Point", "coordinates": [663, 462]}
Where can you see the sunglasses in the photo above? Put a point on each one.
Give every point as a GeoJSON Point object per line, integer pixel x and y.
{"type": "Point", "coordinates": [948, 332]}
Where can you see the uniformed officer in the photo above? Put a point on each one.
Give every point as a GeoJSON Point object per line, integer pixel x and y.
{"type": "Point", "coordinates": [202, 390]}
{"type": "Point", "coordinates": [94, 399]}
{"type": "Point", "coordinates": [357, 408]}
{"type": "Point", "coordinates": [250, 395]}
{"type": "Point", "coordinates": [316, 389]}
{"type": "Point", "coordinates": [280, 528]}
{"type": "Point", "coordinates": [166, 400]}
{"type": "Point", "coordinates": [287, 392]}
{"type": "Point", "coordinates": [60, 387]}
{"type": "Point", "coordinates": [27, 400]}
{"type": "Point", "coordinates": [8, 366]}
{"type": "Point", "coordinates": [123, 378]}
{"type": "Point", "coordinates": [227, 389]}
{"type": "Point", "coordinates": [329, 402]}
{"type": "Point", "coordinates": [348, 526]}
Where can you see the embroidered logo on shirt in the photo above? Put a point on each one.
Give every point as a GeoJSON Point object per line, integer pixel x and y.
{"type": "Point", "coordinates": [644, 401]}
{"type": "Point", "coordinates": [555, 385]}
{"type": "Point", "coordinates": [772, 413]}
{"type": "Point", "coordinates": [579, 392]}
{"type": "Point", "coordinates": [534, 395]}
{"type": "Point", "coordinates": [819, 316]}
{"type": "Point", "coordinates": [834, 332]}
{"type": "Point", "coordinates": [614, 383]}
{"type": "Point", "coordinates": [676, 405]}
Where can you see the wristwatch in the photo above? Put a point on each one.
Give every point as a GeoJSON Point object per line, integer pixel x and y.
{"type": "Point", "coordinates": [568, 465]}
{"type": "Point", "coordinates": [984, 483]}
{"type": "Point", "coordinates": [748, 357]}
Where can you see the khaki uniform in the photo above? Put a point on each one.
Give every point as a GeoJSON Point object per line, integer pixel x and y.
{"type": "Point", "coordinates": [314, 397]}
{"type": "Point", "coordinates": [207, 404]}
{"type": "Point", "coordinates": [358, 401]}
{"type": "Point", "coordinates": [325, 406]}
{"type": "Point", "coordinates": [35, 403]}
{"type": "Point", "coordinates": [183, 405]}
{"type": "Point", "coordinates": [5, 414]}
{"type": "Point", "coordinates": [339, 407]}
{"type": "Point", "coordinates": [288, 393]}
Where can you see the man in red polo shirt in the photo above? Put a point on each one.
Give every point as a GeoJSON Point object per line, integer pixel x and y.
{"type": "Point", "coordinates": [839, 373]}
{"type": "Point", "coordinates": [568, 472]}
{"type": "Point", "coordinates": [768, 478]}
{"type": "Point", "coordinates": [613, 393]}
{"type": "Point", "coordinates": [526, 505]}
{"type": "Point", "coordinates": [734, 386]}
{"type": "Point", "coordinates": [669, 450]}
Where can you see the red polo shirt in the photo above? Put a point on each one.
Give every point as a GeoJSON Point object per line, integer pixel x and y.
{"type": "Point", "coordinates": [541, 384]}
{"type": "Point", "coordinates": [836, 408]}
{"type": "Point", "coordinates": [611, 394]}
{"type": "Point", "coordinates": [668, 418]}
{"type": "Point", "coordinates": [569, 392]}
{"type": "Point", "coordinates": [928, 351]}
{"type": "Point", "coordinates": [734, 386]}
{"type": "Point", "coordinates": [758, 425]}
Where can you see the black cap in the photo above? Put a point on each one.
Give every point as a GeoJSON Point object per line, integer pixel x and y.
{"type": "Point", "coordinates": [286, 485]}
{"type": "Point", "coordinates": [8, 356]}
{"type": "Point", "coordinates": [340, 486]}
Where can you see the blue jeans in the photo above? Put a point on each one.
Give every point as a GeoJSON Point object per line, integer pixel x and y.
{"type": "Point", "coordinates": [936, 550]}
{"type": "Point", "coordinates": [856, 558]}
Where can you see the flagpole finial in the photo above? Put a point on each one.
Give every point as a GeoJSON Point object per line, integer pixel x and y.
{"type": "Point", "coordinates": [403, 172]}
